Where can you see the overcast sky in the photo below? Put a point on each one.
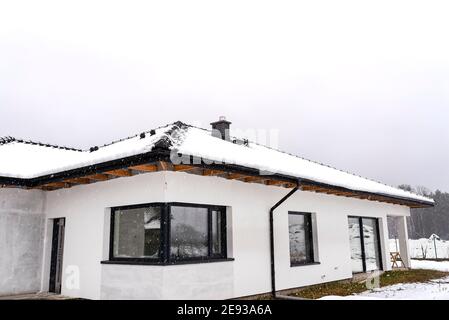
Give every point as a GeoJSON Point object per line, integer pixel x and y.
{"type": "Point", "coordinates": [361, 87]}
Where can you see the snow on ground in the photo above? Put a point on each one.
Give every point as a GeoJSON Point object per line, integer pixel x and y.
{"type": "Point", "coordinates": [432, 290]}
{"type": "Point", "coordinates": [437, 289]}
{"type": "Point", "coordinates": [431, 265]}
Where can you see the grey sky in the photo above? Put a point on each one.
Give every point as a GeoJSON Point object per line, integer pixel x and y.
{"type": "Point", "coordinates": [361, 87]}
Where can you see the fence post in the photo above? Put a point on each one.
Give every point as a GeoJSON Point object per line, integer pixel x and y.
{"type": "Point", "coordinates": [435, 247]}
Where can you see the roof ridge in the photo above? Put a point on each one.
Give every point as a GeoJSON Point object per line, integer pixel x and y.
{"type": "Point", "coordinates": [6, 139]}
{"type": "Point", "coordinates": [9, 139]}
{"type": "Point", "coordinates": [132, 136]}
{"type": "Point", "coordinates": [320, 163]}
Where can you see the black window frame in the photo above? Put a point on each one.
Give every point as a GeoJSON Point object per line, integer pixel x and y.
{"type": "Point", "coordinates": [310, 252]}
{"type": "Point", "coordinates": [165, 257]}
{"type": "Point", "coordinates": [362, 242]}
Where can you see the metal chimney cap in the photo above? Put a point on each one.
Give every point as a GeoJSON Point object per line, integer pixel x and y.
{"type": "Point", "coordinates": [221, 119]}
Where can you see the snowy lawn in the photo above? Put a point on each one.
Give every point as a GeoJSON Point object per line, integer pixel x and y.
{"type": "Point", "coordinates": [431, 265]}
{"type": "Point", "coordinates": [432, 290]}
{"type": "Point", "coordinates": [428, 280]}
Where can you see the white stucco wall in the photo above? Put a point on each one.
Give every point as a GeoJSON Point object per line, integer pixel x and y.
{"type": "Point", "coordinates": [87, 237]}
{"type": "Point", "coordinates": [21, 240]}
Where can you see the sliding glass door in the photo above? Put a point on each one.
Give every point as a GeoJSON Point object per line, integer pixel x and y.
{"type": "Point", "coordinates": [356, 245]}
{"type": "Point", "coordinates": [365, 244]}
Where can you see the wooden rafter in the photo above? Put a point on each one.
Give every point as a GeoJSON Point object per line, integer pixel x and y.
{"type": "Point", "coordinates": [164, 166]}
{"type": "Point", "coordinates": [119, 173]}
{"type": "Point", "coordinates": [290, 185]}
{"type": "Point", "coordinates": [78, 180]}
{"type": "Point", "coordinates": [355, 194]}
{"type": "Point", "coordinates": [276, 182]}
{"type": "Point", "coordinates": [183, 167]}
{"type": "Point", "coordinates": [145, 167]}
{"type": "Point", "coordinates": [236, 176]}
{"type": "Point", "coordinates": [255, 179]}
{"type": "Point", "coordinates": [209, 172]}
{"type": "Point", "coordinates": [57, 185]}
{"type": "Point", "coordinates": [98, 177]}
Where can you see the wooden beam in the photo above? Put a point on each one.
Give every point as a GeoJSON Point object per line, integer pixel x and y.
{"type": "Point", "coordinates": [9, 186]}
{"type": "Point", "coordinates": [354, 194]}
{"type": "Point", "coordinates": [78, 180]}
{"type": "Point", "coordinates": [164, 166]}
{"type": "Point", "coordinates": [236, 176]}
{"type": "Point", "coordinates": [254, 179]}
{"type": "Point", "coordinates": [98, 177]}
{"type": "Point", "coordinates": [209, 172]}
{"type": "Point", "coordinates": [183, 167]}
{"type": "Point", "coordinates": [290, 185]}
{"type": "Point", "coordinates": [276, 182]}
{"type": "Point", "coordinates": [145, 167]}
{"type": "Point", "coordinates": [119, 173]}
{"type": "Point", "coordinates": [57, 185]}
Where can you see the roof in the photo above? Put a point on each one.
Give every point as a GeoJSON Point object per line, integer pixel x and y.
{"type": "Point", "coordinates": [24, 161]}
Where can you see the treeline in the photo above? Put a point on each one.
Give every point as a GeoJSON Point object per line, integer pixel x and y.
{"type": "Point", "coordinates": [424, 222]}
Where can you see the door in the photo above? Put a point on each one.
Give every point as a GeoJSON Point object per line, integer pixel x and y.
{"type": "Point", "coordinates": [57, 251]}
{"type": "Point", "coordinates": [355, 240]}
{"type": "Point", "coordinates": [365, 244]}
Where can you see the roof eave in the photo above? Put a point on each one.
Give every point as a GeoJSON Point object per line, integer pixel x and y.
{"type": "Point", "coordinates": [163, 154]}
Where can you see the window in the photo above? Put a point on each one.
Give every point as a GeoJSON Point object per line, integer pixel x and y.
{"type": "Point", "coordinates": [301, 240]}
{"type": "Point", "coordinates": [168, 232]}
{"type": "Point", "coordinates": [188, 232]}
{"type": "Point", "coordinates": [137, 232]}
{"type": "Point", "coordinates": [365, 244]}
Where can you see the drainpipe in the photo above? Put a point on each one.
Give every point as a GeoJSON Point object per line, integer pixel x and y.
{"type": "Point", "coordinates": [273, 270]}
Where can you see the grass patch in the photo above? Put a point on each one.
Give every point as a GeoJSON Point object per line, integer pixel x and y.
{"type": "Point", "coordinates": [345, 288]}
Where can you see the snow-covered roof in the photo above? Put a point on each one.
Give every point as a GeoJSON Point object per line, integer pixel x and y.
{"type": "Point", "coordinates": [29, 160]}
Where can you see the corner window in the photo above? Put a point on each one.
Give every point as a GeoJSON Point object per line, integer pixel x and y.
{"type": "Point", "coordinates": [301, 240]}
{"type": "Point", "coordinates": [168, 232]}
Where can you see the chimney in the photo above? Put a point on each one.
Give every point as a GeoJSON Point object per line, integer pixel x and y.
{"type": "Point", "coordinates": [220, 129]}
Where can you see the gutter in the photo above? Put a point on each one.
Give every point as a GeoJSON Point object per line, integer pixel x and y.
{"type": "Point", "coordinates": [273, 268]}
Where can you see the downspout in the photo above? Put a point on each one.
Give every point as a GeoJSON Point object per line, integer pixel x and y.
{"type": "Point", "coordinates": [273, 270]}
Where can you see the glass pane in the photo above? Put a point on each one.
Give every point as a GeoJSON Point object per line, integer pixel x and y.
{"type": "Point", "coordinates": [137, 233]}
{"type": "Point", "coordinates": [216, 232]}
{"type": "Point", "coordinates": [298, 237]}
{"type": "Point", "coordinates": [188, 232]}
{"type": "Point", "coordinates": [371, 244]}
{"type": "Point", "coordinates": [356, 245]}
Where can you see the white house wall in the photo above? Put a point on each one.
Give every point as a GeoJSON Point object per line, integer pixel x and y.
{"type": "Point", "coordinates": [87, 238]}
{"type": "Point", "coordinates": [21, 240]}
{"type": "Point", "coordinates": [84, 209]}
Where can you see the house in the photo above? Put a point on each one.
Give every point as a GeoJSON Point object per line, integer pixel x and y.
{"type": "Point", "coordinates": [180, 212]}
